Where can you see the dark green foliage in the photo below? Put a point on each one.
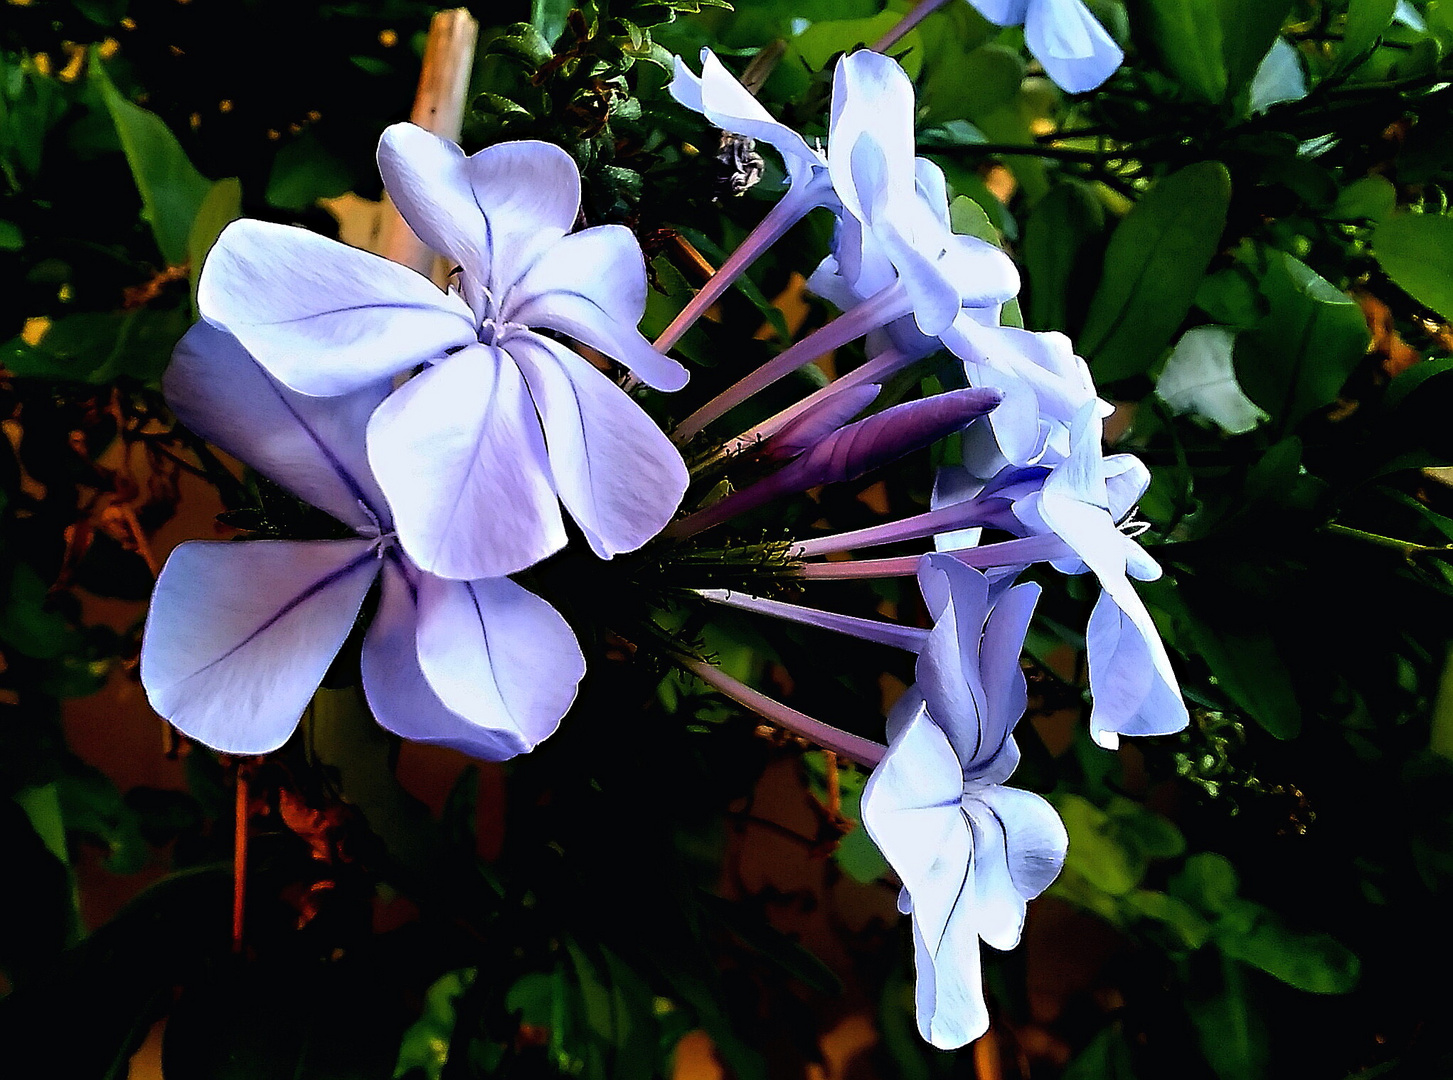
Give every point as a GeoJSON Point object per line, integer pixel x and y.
{"type": "Point", "coordinates": [1264, 880]}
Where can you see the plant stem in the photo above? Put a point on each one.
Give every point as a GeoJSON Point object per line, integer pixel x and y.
{"type": "Point", "coordinates": [879, 310]}
{"type": "Point", "coordinates": [1407, 548]}
{"type": "Point", "coordinates": [924, 9]}
{"type": "Point", "coordinates": [844, 744]}
{"type": "Point", "coordinates": [789, 210]}
{"type": "Point", "coordinates": [1023, 552]}
{"type": "Point", "coordinates": [945, 519]}
{"type": "Point", "coordinates": [876, 630]}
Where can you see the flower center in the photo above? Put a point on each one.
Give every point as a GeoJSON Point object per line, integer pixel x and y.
{"type": "Point", "coordinates": [382, 541]}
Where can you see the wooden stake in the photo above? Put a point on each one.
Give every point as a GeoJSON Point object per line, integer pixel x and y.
{"type": "Point", "coordinates": [239, 856]}
{"type": "Point", "coordinates": [439, 107]}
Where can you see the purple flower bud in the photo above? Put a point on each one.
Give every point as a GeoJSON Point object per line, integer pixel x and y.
{"type": "Point", "coordinates": [853, 451]}
{"type": "Point", "coordinates": [809, 429]}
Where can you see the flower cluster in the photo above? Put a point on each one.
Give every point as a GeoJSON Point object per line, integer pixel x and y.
{"type": "Point", "coordinates": [969, 850]}
{"type": "Point", "coordinates": [450, 482]}
{"type": "Point", "coordinates": [454, 479]}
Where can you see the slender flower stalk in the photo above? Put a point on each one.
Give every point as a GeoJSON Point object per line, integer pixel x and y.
{"type": "Point", "coordinates": [853, 747]}
{"type": "Point", "coordinates": [991, 556]}
{"type": "Point", "coordinates": [945, 519]}
{"type": "Point", "coordinates": [910, 638]}
{"type": "Point", "coordinates": [885, 364]}
{"type": "Point", "coordinates": [924, 9]}
{"type": "Point", "coordinates": [788, 211]}
{"type": "Point", "coordinates": [888, 304]}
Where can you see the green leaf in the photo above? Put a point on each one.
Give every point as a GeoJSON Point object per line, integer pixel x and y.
{"type": "Point", "coordinates": [1297, 358]}
{"type": "Point", "coordinates": [1372, 198]}
{"type": "Point", "coordinates": [969, 219]}
{"type": "Point", "coordinates": [172, 190]}
{"type": "Point", "coordinates": [1153, 267]}
{"type": "Point", "coordinates": [100, 347]}
{"type": "Point", "coordinates": [1440, 735]}
{"type": "Point", "coordinates": [1013, 125]}
{"type": "Point", "coordinates": [1248, 28]}
{"type": "Point", "coordinates": [821, 41]}
{"type": "Point", "coordinates": [305, 171]}
{"type": "Point", "coordinates": [986, 79]}
{"type": "Point", "coordinates": [1149, 834]}
{"type": "Point", "coordinates": [1416, 251]}
{"type": "Point", "coordinates": [1402, 387]}
{"type": "Point", "coordinates": [1208, 882]}
{"type": "Point", "coordinates": [221, 207]}
{"type": "Point", "coordinates": [1230, 297]}
{"type": "Point", "coordinates": [11, 238]}
{"type": "Point", "coordinates": [28, 625]}
{"type": "Point", "coordinates": [425, 1045]}
{"type": "Point", "coordinates": [1314, 962]}
{"type": "Point", "coordinates": [1192, 930]}
{"type": "Point", "coordinates": [1187, 41]}
{"type": "Point", "coordinates": [1242, 658]}
{"type": "Point", "coordinates": [42, 805]}
{"type": "Point", "coordinates": [1108, 1057]}
{"type": "Point", "coordinates": [1056, 232]}
{"type": "Point", "coordinates": [1099, 850]}
{"type": "Point", "coordinates": [620, 1025]}
{"type": "Point", "coordinates": [1230, 1028]}
{"type": "Point", "coordinates": [548, 17]}
{"type": "Point", "coordinates": [1367, 20]}
{"type": "Point", "coordinates": [92, 807]}
{"type": "Point", "coordinates": [342, 736]}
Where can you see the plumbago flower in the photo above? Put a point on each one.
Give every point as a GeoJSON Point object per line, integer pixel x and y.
{"type": "Point", "coordinates": [240, 634]}
{"type": "Point", "coordinates": [476, 452]}
{"type": "Point", "coordinates": [1082, 501]}
{"type": "Point", "coordinates": [894, 248]}
{"type": "Point", "coordinates": [1077, 504]}
{"type": "Point", "coordinates": [970, 851]}
{"type": "Point", "coordinates": [1074, 49]}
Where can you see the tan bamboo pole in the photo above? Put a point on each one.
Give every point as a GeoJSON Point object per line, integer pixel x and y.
{"type": "Point", "coordinates": [439, 107]}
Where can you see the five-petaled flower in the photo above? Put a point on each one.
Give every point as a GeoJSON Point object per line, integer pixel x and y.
{"type": "Point", "coordinates": [478, 450]}
{"type": "Point", "coordinates": [240, 634]}
{"type": "Point", "coordinates": [970, 851]}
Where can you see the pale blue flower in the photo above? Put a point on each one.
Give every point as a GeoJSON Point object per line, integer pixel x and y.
{"type": "Point", "coordinates": [240, 634]}
{"type": "Point", "coordinates": [892, 206]}
{"type": "Point", "coordinates": [1082, 500]}
{"type": "Point", "coordinates": [1044, 384]}
{"type": "Point", "coordinates": [1074, 49]}
{"type": "Point", "coordinates": [477, 452]}
{"type": "Point", "coordinates": [970, 851]}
